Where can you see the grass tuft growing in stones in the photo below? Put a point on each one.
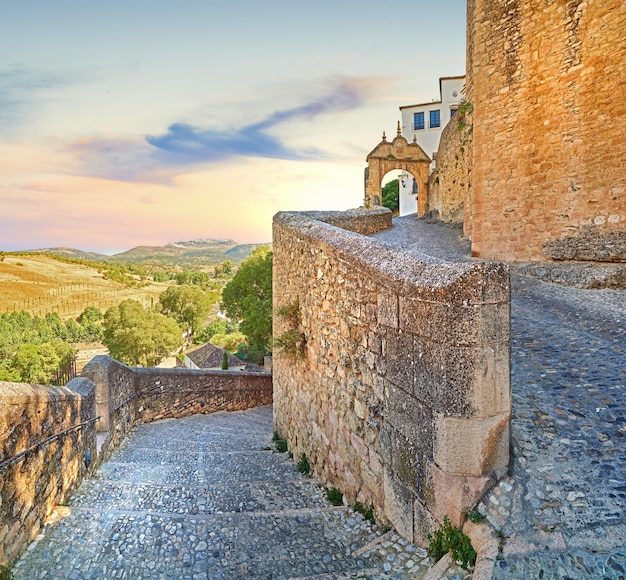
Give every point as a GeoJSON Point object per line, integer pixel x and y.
{"type": "Point", "coordinates": [366, 512]}
{"type": "Point", "coordinates": [449, 538]}
{"type": "Point", "coordinates": [279, 443]}
{"type": "Point", "coordinates": [334, 496]}
{"type": "Point", "coordinates": [5, 573]}
{"type": "Point", "coordinates": [303, 465]}
{"type": "Point", "coordinates": [474, 516]}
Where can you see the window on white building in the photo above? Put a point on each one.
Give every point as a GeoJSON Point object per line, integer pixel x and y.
{"type": "Point", "coordinates": [435, 119]}
{"type": "Point", "coordinates": [418, 121]}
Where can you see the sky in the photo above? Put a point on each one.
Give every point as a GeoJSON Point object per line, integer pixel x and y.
{"type": "Point", "coordinates": [145, 122]}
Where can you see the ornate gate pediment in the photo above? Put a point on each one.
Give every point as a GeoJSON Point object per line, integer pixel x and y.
{"type": "Point", "coordinates": [397, 154]}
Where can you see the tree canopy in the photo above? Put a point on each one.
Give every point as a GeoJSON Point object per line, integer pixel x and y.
{"type": "Point", "coordinates": [137, 336]}
{"type": "Point", "coordinates": [188, 305]}
{"type": "Point", "coordinates": [391, 194]}
{"type": "Point", "coordinates": [248, 298]}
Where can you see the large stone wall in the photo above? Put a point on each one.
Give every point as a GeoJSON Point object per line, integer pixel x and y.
{"type": "Point", "coordinates": [45, 435]}
{"type": "Point", "coordinates": [546, 80]}
{"type": "Point", "coordinates": [402, 397]}
{"type": "Point", "coordinates": [447, 185]}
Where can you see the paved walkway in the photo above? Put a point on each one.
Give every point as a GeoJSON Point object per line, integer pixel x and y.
{"type": "Point", "coordinates": [205, 497]}
{"type": "Point", "coordinates": [562, 511]}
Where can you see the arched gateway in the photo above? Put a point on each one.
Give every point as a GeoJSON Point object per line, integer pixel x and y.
{"type": "Point", "coordinates": [399, 154]}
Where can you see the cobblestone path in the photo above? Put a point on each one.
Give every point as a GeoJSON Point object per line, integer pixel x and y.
{"type": "Point", "coordinates": [561, 514]}
{"type": "Point", "coordinates": [203, 498]}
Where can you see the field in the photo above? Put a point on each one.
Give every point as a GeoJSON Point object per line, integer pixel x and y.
{"type": "Point", "coordinates": [40, 284]}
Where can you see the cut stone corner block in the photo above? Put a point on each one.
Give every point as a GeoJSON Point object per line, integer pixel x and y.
{"type": "Point", "coordinates": [450, 494]}
{"type": "Point", "coordinates": [472, 447]}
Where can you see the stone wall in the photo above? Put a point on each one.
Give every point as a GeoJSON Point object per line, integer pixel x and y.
{"type": "Point", "coordinates": [45, 435]}
{"type": "Point", "coordinates": [376, 220]}
{"type": "Point", "coordinates": [447, 186]}
{"type": "Point", "coordinates": [402, 397]}
{"type": "Point", "coordinates": [546, 80]}
{"type": "Point", "coordinates": [183, 392]}
{"type": "Point", "coordinates": [147, 394]}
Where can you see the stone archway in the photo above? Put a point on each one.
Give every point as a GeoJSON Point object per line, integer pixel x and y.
{"type": "Point", "coordinates": [399, 154]}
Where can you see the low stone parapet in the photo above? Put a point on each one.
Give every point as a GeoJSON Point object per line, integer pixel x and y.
{"type": "Point", "coordinates": [401, 395]}
{"type": "Point", "coordinates": [47, 444]}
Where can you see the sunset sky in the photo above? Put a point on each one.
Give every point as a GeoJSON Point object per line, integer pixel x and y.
{"type": "Point", "coordinates": [128, 122]}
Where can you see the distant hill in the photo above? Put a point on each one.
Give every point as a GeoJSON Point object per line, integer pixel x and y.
{"type": "Point", "coordinates": [72, 253]}
{"type": "Point", "coordinates": [200, 252]}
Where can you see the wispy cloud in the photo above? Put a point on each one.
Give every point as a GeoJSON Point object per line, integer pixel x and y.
{"type": "Point", "coordinates": [161, 158]}
{"type": "Point", "coordinates": [20, 88]}
{"type": "Point", "coordinates": [184, 143]}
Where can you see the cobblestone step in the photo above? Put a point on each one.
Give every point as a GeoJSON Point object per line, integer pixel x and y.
{"type": "Point", "coordinates": [201, 498]}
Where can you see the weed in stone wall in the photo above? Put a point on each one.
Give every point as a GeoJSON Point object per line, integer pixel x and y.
{"type": "Point", "coordinates": [292, 342]}
{"type": "Point", "coordinates": [474, 516]}
{"type": "Point", "coordinates": [279, 443]}
{"type": "Point", "coordinates": [303, 465]}
{"type": "Point", "coordinates": [5, 573]}
{"type": "Point", "coordinates": [334, 496]}
{"type": "Point", "coordinates": [366, 512]}
{"type": "Point", "coordinates": [449, 538]}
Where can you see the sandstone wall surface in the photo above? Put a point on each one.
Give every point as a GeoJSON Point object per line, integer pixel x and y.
{"type": "Point", "coordinates": [448, 183]}
{"type": "Point", "coordinates": [547, 81]}
{"type": "Point", "coordinates": [45, 435]}
{"type": "Point", "coordinates": [402, 398]}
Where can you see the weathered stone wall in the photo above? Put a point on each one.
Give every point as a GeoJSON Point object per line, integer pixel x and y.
{"type": "Point", "coordinates": [402, 399]}
{"type": "Point", "coordinates": [447, 185]}
{"type": "Point", "coordinates": [376, 220]}
{"type": "Point", "coordinates": [147, 394]}
{"type": "Point", "coordinates": [546, 81]}
{"type": "Point", "coordinates": [174, 393]}
{"type": "Point", "coordinates": [52, 428]}
{"type": "Point", "coordinates": [115, 396]}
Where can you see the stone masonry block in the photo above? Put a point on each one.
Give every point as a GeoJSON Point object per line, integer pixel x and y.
{"type": "Point", "coordinates": [388, 309]}
{"type": "Point", "coordinates": [472, 447]}
{"type": "Point", "coordinates": [409, 417]}
{"type": "Point", "coordinates": [407, 460]}
{"type": "Point", "coordinates": [399, 357]}
{"type": "Point", "coordinates": [452, 494]}
{"type": "Point", "coordinates": [463, 324]}
{"type": "Point", "coordinates": [463, 380]}
{"type": "Point", "coordinates": [398, 505]}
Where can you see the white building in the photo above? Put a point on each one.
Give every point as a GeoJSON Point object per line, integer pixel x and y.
{"type": "Point", "coordinates": [425, 122]}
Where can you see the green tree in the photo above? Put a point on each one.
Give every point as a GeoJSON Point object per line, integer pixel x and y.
{"type": "Point", "coordinates": [36, 363]}
{"type": "Point", "coordinates": [248, 297]}
{"type": "Point", "coordinates": [90, 314]}
{"type": "Point", "coordinates": [230, 342]}
{"type": "Point", "coordinates": [188, 305]}
{"type": "Point", "coordinates": [206, 333]}
{"type": "Point", "coordinates": [391, 194]}
{"type": "Point", "coordinates": [136, 336]}
{"type": "Point", "coordinates": [224, 361]}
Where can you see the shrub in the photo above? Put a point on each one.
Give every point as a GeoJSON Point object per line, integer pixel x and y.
{"type": "Point", "coordinates": [366, 512]}
{"type": "Point", "coordinates": [449, 538]}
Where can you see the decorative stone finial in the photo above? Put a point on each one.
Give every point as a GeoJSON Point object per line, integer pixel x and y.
{"type": "Point", "coordinates": [414, 139]}
{"type": "Point", "coordinates": [399, 129]}
{"type": "Point", "coordinates": [384, 136]}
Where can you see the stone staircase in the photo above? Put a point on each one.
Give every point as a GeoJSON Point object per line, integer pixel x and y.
{"type": "Point", "coordinates": [207, 498]}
